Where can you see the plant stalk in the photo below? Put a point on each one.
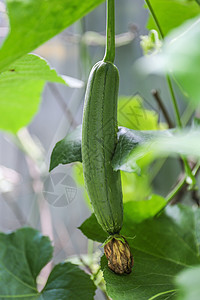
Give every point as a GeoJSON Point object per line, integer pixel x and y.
{"type": "Point", "coordinates": [180, 184]}
{"type": "Point", "coordinates": [155, 18]}
{"type": "Point", "coordinates": [178, 117]}
{"type": "Point", "coordinates": [110, 34]}
{"type": "Point", "coordinates": [159, 101]}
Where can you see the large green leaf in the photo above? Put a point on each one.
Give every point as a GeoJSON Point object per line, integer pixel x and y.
{"type": "Point", "coordinates": [128, 144]}
{"type": "Point", "coordinates": [33, 22]}
{"type": "Point", "coordinates": [135, 149]}
{"type": "Point", "coordinates": [134, 187]}
{"type": "Point", "coordinates": [131, 158]}
{"type": "Point", "coordinates": [68, 150]}
{"type": "Point", "coordinates": [180, 57]}
{"type": "Point", "coordinates": [172, 13]}
{"type": "Point", "coordinates": [23, 254]}
{"type": "Point", "coordinates": [63, 281]}
{"type": "Point", "coordinates": [162, 247]}
{"type": "Point", "coordinates": [144, 209]}
{"type": "Point", "coordinates": [21, 86]}
{"type": "Point", "coordinates": [188, 282]}
{"type": "Point", "coordinates": [133, 115]}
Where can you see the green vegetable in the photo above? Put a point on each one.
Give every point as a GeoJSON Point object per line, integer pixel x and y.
{"type": "Point", "coordinates": [99, 138]}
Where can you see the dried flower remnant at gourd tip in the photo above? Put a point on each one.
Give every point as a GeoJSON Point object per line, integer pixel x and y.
{"type": "Point", "coordinates": [118, 253]}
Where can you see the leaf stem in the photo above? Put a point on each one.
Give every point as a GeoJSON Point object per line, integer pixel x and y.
{"type": "Point", "coordinates": [159, 101]}
{"type": "Point", "coordinates": [180, 184]}
{"type": "Point", "coordinates": [176, 189]}
{"type": "Point", "coordinates": [178, 117]}
{"type": "Point", "coordinates": [155, 18]}
{"type": "Point", "coordinates": [110, 35]}
{"type": "Point", "coordinates": [190, 179]}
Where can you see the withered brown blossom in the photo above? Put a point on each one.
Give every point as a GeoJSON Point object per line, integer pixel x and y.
{"type": "Point", "coordinates": [118, 253]}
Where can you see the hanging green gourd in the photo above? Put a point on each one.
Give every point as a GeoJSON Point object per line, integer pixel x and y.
{"type": "Point", "coordinates": [99, 138]}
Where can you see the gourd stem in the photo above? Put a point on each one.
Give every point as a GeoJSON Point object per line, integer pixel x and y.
{"type": "Point", "coordinates": [190, 178]}
{"type": "Point", "coordinates": [110, 34]}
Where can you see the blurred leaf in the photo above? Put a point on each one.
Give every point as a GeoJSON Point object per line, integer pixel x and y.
{"type": "Point", "coordinates": [162, 247]}
{"type": "Point", "coordinates": [149, 148]}
{"type": "Point", "coordinates": [93, 38]}
{"type": "Point", "coordinates": [129, 140]}
{"type": "Point", "coordinates": [73, 82]}
{"type": "Point", "coordinates": [188, 282]}
{"type": "Point", "coordinates": [21, 86]}
{"type": "Point", "coordinates": [34, 22]}
{"type": "Point", "coordinates": [172, 13]}
{"type": "Point", "coordinates": [133, 115]}
{"type": "Point", "coordinates": [180, 57]}
{"type": "Point", "coordinates": [135, 187]}
{"type": "Point", "coordinates": [78, 175]}
{"type": "Point", "coordinates": [144, 209]}
{"type": "Point", "coordinates": [23, 254]}
{"type": "Point", "coordinates": [67, 150]}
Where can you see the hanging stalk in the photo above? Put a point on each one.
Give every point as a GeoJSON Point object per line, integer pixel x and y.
{"type": "Point", "coordinates": [110, 34]}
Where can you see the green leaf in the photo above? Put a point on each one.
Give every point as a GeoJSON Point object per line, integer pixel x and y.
{"type": "Point", "coordinates": [134, 211]}
{"type": "Point", "coordinates": [180, 57]}
{"type": "Point", "coordinates": [67, 150]}
{"type": "Point", "coordinates": [131, 156]}
{"type": "Point", "coordinates": [162, 247]}
{"type": "Point", "coordinates": [172, 13]}
{"type": "Point", "coordinates": [87, 229]}
{"type": "Point", "coordinates": [135, 149]}
{"type": "Point", "coordinates": [21, 86]}
{"type": "Point", "coordinates": [133, 115]}
{"type": "Point", "coordinates": [188, 283]}
{"type": "Point", "coordinates": [23, 254]}
{"type": "Point", "coordinates": [34, 22]}
{"type": "Point", "coordinates": [144, 209]}
{"type": "Point", "coordinates": [79, 178]}
{"type": "Point", "coordinates": [134, 187]}
{"type": "Point", "coordinates": [124, 157]}
{"type": "Point", "coordinates": [63, 281]}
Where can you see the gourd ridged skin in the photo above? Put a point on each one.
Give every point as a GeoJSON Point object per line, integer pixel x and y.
{"type": "Point", "coordinates": [99, 138]}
